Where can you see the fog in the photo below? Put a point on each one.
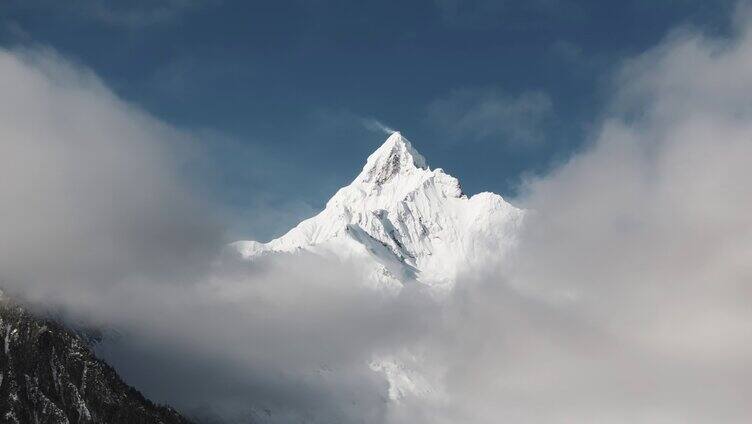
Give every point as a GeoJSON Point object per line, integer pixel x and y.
{"type": "Point", "coordinates": [626, 300]}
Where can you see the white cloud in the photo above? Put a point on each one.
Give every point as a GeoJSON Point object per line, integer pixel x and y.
{"type": "Point", "coordinates": [90, 186]}
{"type": "Point", "coordinates": [647, 234]}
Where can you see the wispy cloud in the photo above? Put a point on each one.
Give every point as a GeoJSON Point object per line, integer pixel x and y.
{"type": "Point", "coordinates": [133, 15]}
{"type": "Point", "coordinates": [482, 14]}
{"type": "Point", "coordinates": [490, 114]}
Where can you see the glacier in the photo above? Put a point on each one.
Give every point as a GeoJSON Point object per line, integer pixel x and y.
{"type": "Point", "coordinates": [410, 223]}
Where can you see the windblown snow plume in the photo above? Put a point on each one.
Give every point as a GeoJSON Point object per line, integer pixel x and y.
{"type": "Point", "coordinates": [373, 124]}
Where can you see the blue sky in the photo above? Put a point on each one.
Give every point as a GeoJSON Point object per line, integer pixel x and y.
{"type": "Point", "coordinates": [282, 94]}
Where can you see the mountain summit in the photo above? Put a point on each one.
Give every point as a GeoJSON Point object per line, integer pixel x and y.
{"type": "Point", "coordinates": [412, 223]}
{"type": "Point", "coordinates": [394, 156]}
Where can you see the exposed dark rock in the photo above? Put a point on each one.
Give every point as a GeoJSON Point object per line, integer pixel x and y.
{"type": "Point", "coordinates": [48, 374]}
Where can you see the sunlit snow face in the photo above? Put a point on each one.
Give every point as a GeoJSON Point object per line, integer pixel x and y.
{"type": "Point", "coordinates": [394, 157]}
{"type": "Point", "coordinates": [410, 224]}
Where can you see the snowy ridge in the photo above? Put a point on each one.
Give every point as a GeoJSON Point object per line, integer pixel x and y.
{"type": "Point", "coordinates": [413, 222]}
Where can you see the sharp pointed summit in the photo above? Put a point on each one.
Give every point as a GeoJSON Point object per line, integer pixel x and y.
{"type": "Point", "coordinates": [411, 223]}
{"type": "Point", "coordinates": [396, 155]}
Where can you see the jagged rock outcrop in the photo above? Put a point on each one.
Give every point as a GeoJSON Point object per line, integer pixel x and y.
{"type": "Point", "coordinates": [48, 374]}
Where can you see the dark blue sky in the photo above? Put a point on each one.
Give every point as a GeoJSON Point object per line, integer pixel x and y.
{"type": "Point", "coordinates": [281, 92]}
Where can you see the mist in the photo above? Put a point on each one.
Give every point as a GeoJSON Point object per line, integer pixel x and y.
{"type": "Point", "coordinates": [625, 301]}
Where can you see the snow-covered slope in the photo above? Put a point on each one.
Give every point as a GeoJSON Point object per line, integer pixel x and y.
{"type": "Point", "coordinates": [412, 223]}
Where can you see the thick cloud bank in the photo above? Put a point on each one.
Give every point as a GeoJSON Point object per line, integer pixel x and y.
{"type": "Point", "coordinates": [626, 301]}
{"type": "Point", "coordinates": [90, 187]}
{"type": "Point", "coordinates": [644, 243]}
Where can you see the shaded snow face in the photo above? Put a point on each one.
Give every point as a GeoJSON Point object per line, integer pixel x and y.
{"type": "Point", "coordinates": [625, 300]}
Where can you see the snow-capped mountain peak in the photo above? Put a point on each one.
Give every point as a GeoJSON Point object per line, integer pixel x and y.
{"type": "Point", "coordinates": [395, 156]}
{"type": "Point", "coordinates": [411, 223]}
